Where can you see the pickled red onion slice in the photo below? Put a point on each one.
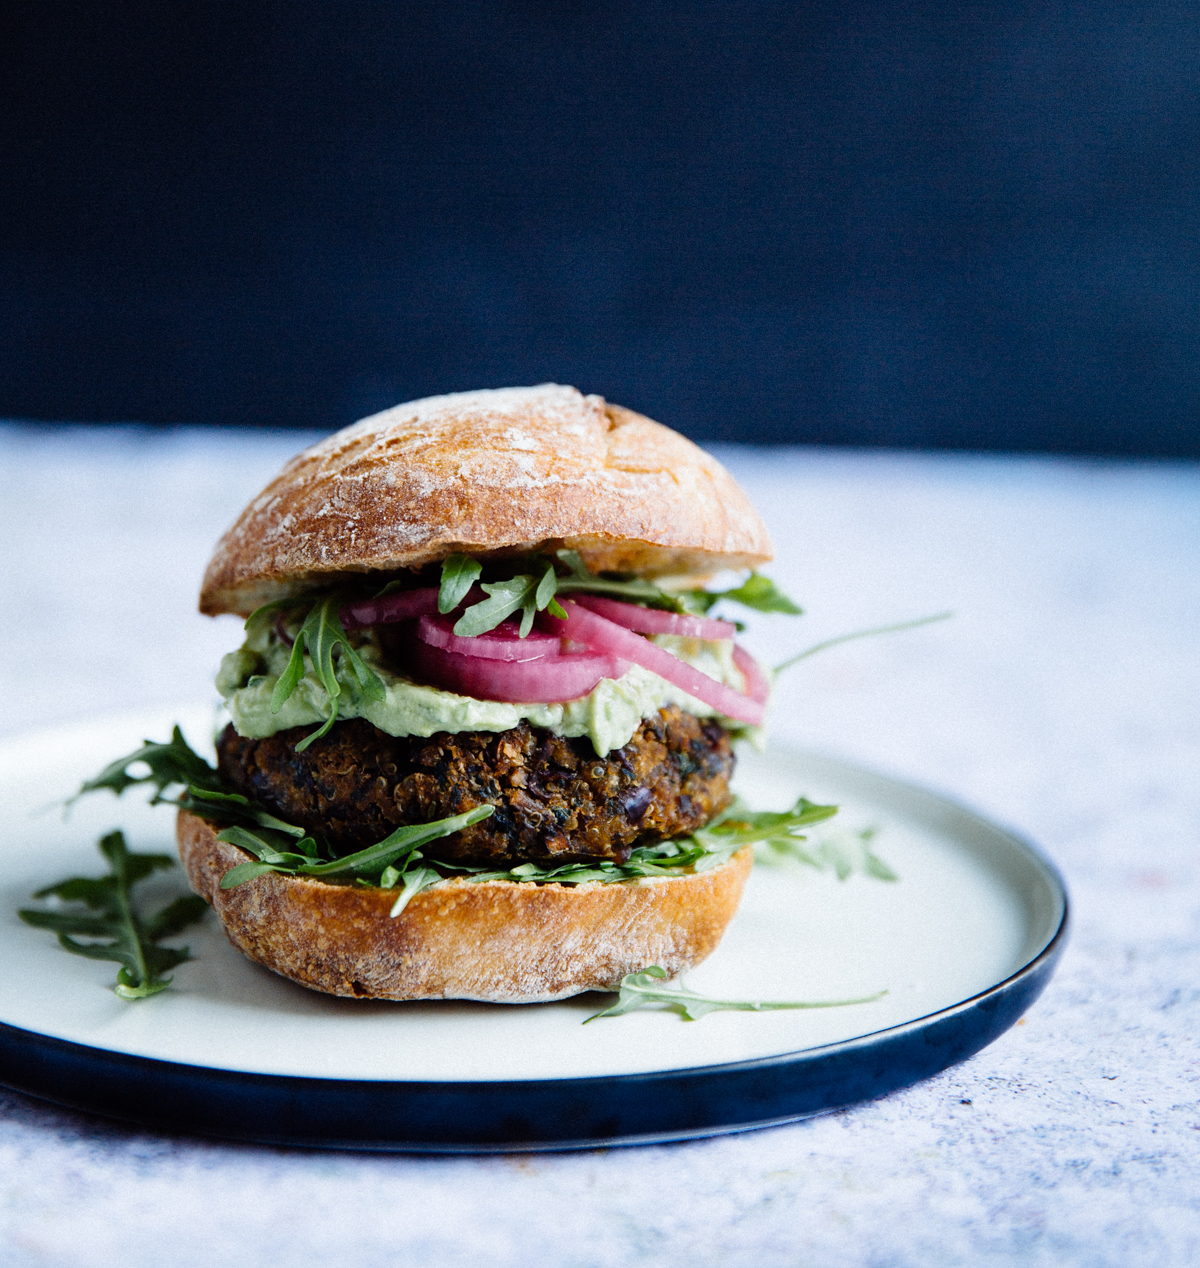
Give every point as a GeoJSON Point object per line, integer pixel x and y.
{"type": "Point", "coordinates": [758, 685]}
{"type": "Point", "coordinates": [550, 680]}
{"type": "Point", "coordinates": [503, 643]}
{"type": "Point", "coordinates": [652, 621]}
{"type": "Point", "coordinates": [402, 606]}
{"type": "Point", "coordinates": [601, 635]}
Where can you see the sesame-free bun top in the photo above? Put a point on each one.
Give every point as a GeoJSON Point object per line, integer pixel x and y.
{"type": "Point", "coordinates": [489, 473]}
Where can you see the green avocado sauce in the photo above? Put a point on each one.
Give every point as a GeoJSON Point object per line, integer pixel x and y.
{"type": "Point", "coordinates": [609, 716]}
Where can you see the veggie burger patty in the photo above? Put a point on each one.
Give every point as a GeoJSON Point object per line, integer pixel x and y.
{"type": "Point", "coordinates": [554, 798]}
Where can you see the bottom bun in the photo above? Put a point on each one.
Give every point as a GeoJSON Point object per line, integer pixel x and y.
{"type": "Point", "coordinates": [503, 942]}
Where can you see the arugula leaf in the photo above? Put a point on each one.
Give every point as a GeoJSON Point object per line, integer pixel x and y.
{"type": "Point", "coordinates": [246, 872]}
{"type": "Point", "coordinates": [544, 595]}
{"type": "Point", "coordinates": [203, 794]}
{"type": "Point", "coordinates": [120, 933]}
{"type": "Point", "coordinates": [761, 595]}
{"type": "Point", "coordinates": [403, 841]}
{"type": "Point", "coordinates": [531, 594]}
{"type": "Point", "coordinates": [369, 862]}
{"type": "Point", "coordinates": [271, 847]}
{"type": "Point", "coordinates": [176, 762]}
{"type": "Point", "coordinates": [739, 826]}
{"type": "Point", "coordinates": [843, 853]}
{"type": "Point", "coordinates": [757, 592]}
{"type": "Point", "coordinates": [273, 850]}
{"type": "Point", "coordinates": [306, 601]}
{"type": "Point", "coordinates": [704, 849]}
{"type": "Point", "coordinates": [777, 838]}
{"type": "Point", "coordinates": [630, 589]}
{"type": "Point", "coordinates": [667, 858]}
{"type": "Point", "coordinates": [604, 870]}
{"type": "Point", "coordinates": [459, 574]}
{"type": "Point", "coordinates": [873, 865]}
{"type": "Point", "coordinates": [414, 880]}
{"type": "Point", "coordinates": [171, 763]}
{"type": "Point", "coordinates": [639, 989]}
{"type": "Point", "coordinates": [504, 598]}
{"type": "Point", "coordinates": [848, 638]}
{"type": "Point", "coordinates": [321, 635]}
{"type": "Point", "coordinates": [224, 806]}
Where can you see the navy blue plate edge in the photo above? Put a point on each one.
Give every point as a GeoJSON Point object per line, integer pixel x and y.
{"type": "Point", "coordinates": [515, 1116]}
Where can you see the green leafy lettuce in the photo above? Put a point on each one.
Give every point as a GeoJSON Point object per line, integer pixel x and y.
{"type": "Point", "coordinates": [106, 916]}
{"type": "Point", "coordinates": [638, 990]}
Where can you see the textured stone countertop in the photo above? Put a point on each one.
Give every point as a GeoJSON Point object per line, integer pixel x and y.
{"type": "Point", "coordinates": [1064, 699]}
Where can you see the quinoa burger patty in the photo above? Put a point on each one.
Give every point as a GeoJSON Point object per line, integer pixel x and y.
{"type": "Point", "coordinates": [554, 798]}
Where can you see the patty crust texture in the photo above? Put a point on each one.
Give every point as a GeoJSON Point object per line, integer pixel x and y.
{"type": "Point", "coordinates": [555, 799]}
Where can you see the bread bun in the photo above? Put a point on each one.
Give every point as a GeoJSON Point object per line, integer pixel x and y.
{"type": "Point", "coordinates": [488, 473]}
{"type": "Point", "coordinates": [498, 941]}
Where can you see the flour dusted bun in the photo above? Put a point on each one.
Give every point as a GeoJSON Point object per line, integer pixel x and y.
{"type": "Point", "coordinates": [498, 941]}
{"type": "Point", "coordinates": [487, 473]}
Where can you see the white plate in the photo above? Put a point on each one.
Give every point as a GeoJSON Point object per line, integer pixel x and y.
{"type": "Point", "coordinates": [973, 906]}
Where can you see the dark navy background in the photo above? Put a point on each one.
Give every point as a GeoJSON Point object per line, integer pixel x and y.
{"type": "Point", "coordinates": [965, 225]}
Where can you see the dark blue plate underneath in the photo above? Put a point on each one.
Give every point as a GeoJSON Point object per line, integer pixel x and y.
{"type": "Point", "coordinates": [434, 1117]}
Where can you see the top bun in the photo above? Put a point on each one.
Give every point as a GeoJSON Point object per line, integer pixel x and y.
{"type": "Point", "coordinates": [488, 473]}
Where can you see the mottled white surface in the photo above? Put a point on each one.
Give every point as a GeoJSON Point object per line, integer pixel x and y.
{"type": "Point", "coordinates": [1062, 699]}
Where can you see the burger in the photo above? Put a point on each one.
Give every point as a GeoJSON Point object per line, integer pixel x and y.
{"type": "Point", "coordinates": [482, 723]}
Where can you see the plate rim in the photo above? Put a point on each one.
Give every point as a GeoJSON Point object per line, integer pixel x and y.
{"type": "Point", "coordinates": [49, 1059]}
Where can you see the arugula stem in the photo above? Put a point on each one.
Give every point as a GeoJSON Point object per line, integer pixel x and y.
{"type": "Point", "coordinates": [129, 930]}
{"type": "Point", "coordinates": [848, 638]}
{"type": "Point", "coordinates": [648, 987]}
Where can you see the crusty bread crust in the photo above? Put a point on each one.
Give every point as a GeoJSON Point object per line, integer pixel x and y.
{"type": "Point", "coordinates": [492, 472]}
{"type": "Point", "coordinates": [498, 941]}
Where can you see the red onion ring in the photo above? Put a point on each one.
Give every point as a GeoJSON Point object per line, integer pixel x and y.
{"type": "Point", "coordinates": [550, 680]}
{"type": "Point", "coordinates": [402, 606]}
{"type": "Point", "coordinates": [602, 635]}
{"type": "Point", "coordinates": [503, 643]}
{"type": "Point", "coordinates": [281, 630]}
{"type": "Point", "coordinates": [758, 685]}
{"type": "Point", "coordinates": [652, 621]}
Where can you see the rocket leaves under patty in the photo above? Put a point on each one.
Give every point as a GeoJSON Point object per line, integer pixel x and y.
{"type": "Point", "coordinates": [367, 865]}
{"type": "Point", "coordinates": [278, 846]}
{"type": "Point", "coordinates": [110, 926]}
